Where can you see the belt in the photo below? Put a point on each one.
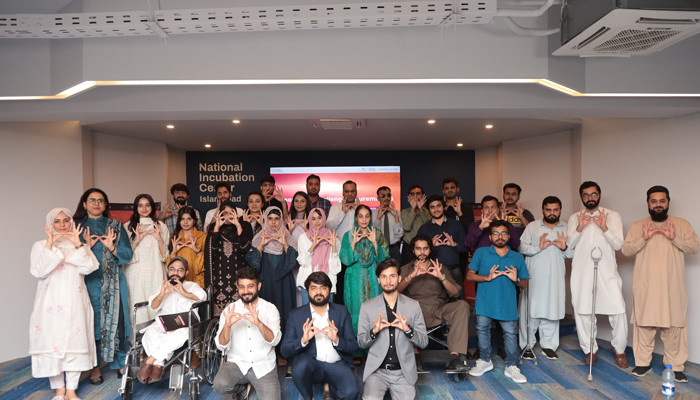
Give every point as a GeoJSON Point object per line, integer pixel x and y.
{"type": "Point", "coordinates": [391, 367]}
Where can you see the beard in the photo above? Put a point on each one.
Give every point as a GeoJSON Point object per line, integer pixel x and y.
{"type": "Point", "coordinates": [390, 290]}
{"type": "Point", "coordinates": [591, 204]}
{"type": "Point", "coordinates": [180, 201]}
{"type": "Point", "coordinates": [174, 279]}
{"type": "Point", "coordinates": [318, 303]}
{"type": "Point", "coordinates": [500, 244]}
{"type": "Point", "coordinates": [659, 216]}
{"type": "Point", "coordinates": [552, 219]}
{"type": "Point", "coordinates": [253, 297]}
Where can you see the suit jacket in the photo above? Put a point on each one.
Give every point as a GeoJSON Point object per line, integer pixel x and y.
{"type": "Point", "coordinates": [291, 342]}
{"type": "Point", "coordinates": [378, 347]}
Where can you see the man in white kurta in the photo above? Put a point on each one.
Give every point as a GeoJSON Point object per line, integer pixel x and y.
{"type": "Point", "coordinates": [172, 299]}
{"type": "Point", "coordinates": [591, 228]}
{"type": "Point", "coordinates": [543, 244]}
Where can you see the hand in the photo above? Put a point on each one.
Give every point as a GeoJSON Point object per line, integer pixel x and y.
{"type": "Point", "coordinates": [670, 230]}
{"type": "Point", "coordinates": [156, 232]}
{"type": "Point", "coordinates": [279, 194]}
{"type": "Point", "coordinates": [108, 239]}
{"type": "Point", "coordinates": [252, 315]}
{"type": "Point", "coordinates": [512, 273]}
{"type": "Point", "coordinates": [264, 240]}
{"type": "Point", "coordinates": [380, 212]}
{"type": "Point", "coordinates": [648, 230]}
{"type": "Point", "coordinates": [436, 269]}
{"type": "Point", "coordinates": [331, 331]}
{"type": "Point", "coordinates": [493, 274]}
{"type": "Point", "coordinates": [180, 289]}
{"type": "Point", "coordinates": [437, 241]}
{"type": "Point", "coordinates": [448, 240]}
{"type": "Point", "coordinates": [290, 223]}
{"type": "Point", "coordinates": [413, 202]}
{"type": "Point", "coordinates": [281, 238]}
{"type": "Point", "coordinates": [315, 240]}
{"type": "Point", "coordinates": [372, 236]}
{"type": "Point", "coordinates": [519, 210]}
{"type": "Point", "coordinates": [333, 240]}
{"type": "Point", "coordinates": [246, 216]}
{"type": "Point", "coordinates": [177, 245]}
{"type": "Point", "coordinates": [231, 317]}
{"type": "Point", "coordinates": [74, 234]}
{"type": "Point", "coordinates": [51, 236]}
{"type": "Point", "coordinates": [421, 202]}
{"type": "Point", "coordinates": [400, 321]}
{"type": "Point", "coordinates": [218, 220]}
{"type": "Point", "coordinates": [190, 243]}
{"type": "Point", "coordinates": [138, 232]}
{"type": "Point", "coordinates": [90, 240]}
{"type": "Point", "coordinates": [166, 288]}
{"type": "Point", "coordinates": [583, 220]}
{"type": "Point", "coordinates": [485, 221]}
{"type": "Point", "coordinates": [356, 236]}
{"type": "Point", "coordinates": [392, 209]}
{"type": "Point", "coordinates": [503, 212]}
{"type": "Point", "coordinates": [544, 243]}
{"type": "Point", "coordinates": [560, 241]}
{"type": "Point", "coordinates": [309, 331]}
{"type": "Point", "coordinates": [235, 221]}
{"type": "Point", "coordinates": [418, 270]}
{"type": "Point", "coordinates": [601, 219]}
{"type": "Point", "coordinates": [380, 323]}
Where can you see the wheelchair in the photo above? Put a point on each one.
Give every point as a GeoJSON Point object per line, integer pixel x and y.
{"type": "Point", "coordinates": [201, 340]}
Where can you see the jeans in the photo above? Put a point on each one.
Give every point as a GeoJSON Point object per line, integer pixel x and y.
{"type": "Point", "coordinates": [305, 297]}
{"type": "Point", "coordinates": [510, 337]}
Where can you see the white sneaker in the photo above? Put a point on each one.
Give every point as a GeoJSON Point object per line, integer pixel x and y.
{"type": "Point", "coordinates": [481, 368]}
{"type": "Point", "coordinates": [513, 373]}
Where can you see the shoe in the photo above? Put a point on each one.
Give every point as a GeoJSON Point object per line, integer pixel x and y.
{"type": "Point", "coordinates": [97, 381]}
{"type": "Point", "coordinates": [551, 354]}
{"type": "Point", "coordinates": [481, 368]}
{"type": "Point", "coordinates": [242, 392]}
{"type": "Point", "coordinates": [327, 396]}
{"type": "Point", "coordinates": [119, 374]}
{"type": "Point", "coordinates": [144, 374]}
{"type": "Point", "coordinates": [586, 359]}
{"type": "Point", "coordinates": [528, 355]}
{"type": "Point", "coordinates": [156, 373]}
{"type": "Point", "coordinates": [680, 376]}
{"type": "Point", "coordinates": [63, 398]}
{"type": "Point", "coordinates": [473, 356]}
{"type": "Point", "coordinates": [513, 373]}
{"type": "Point", "coordinates": [621, 359]}
{"type": "Point", "coordinates": [196, 361]}
{"type": "Point", "coordinates": [502, 353]}
{"type": "Point", "coordinates": [455, 364]}
{"type": "Point", "coordinates": [640, 371]}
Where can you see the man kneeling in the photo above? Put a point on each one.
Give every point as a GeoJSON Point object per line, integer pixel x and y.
{"type": "Point", "coordinates": [176, 296]}
{"type": "Point", "coordinates": [320, 338]}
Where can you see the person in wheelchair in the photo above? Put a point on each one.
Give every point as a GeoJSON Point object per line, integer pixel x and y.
{"type": "Point", "coordinates": [176, 296]}
{"type": "Point", "coordinates": [432, 286]}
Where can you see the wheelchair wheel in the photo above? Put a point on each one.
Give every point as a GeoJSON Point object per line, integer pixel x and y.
{"type": "Point", "coordinates": [194, 389]}
{"type": "Point", "coordinates": [128, 389]}
{"type": "Point", "coordinates": [211, 356]}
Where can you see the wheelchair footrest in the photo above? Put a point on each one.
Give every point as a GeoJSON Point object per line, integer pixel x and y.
{"type": "Point", "coordinates": [177, 374]}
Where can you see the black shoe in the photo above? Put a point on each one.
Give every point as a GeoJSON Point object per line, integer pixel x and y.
{"type": "Point", "coordinates": [119, 374]}
{"type": "Point", "coordinates": [641, 371]}
{"type": "Point", "coordinates": [551, 354]}
{"type": "Point", "coordinates": [456, 364]}
{"type": "Point", "coordinates": [680, 376]}
{"type": "Point", "coordinates": [528, 355]}
{"type": "Point", "coordinates": [99, 380]}
{"type": "Point", "coordinates": [502, 353]}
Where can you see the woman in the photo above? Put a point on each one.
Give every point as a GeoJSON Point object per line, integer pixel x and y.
{"type": "Point", "coordinates": [145, 272]}
{"type": "Point", "coordinates": [109, 294]}
{"type": "Point", "coordinates": [188, 242]}
{"type": "Point", "coordinates": [225, 250]}
{"type": "Point", "coordinates": [61, 332]}
{"type": "Point", "coordinates": [318, 251]}
{"type": "Point", "coordinates": [298, 217]}
{"type": "Point", "coordinates": [253, 213]}
{"type": "Point", "coordinates": [363, 248]}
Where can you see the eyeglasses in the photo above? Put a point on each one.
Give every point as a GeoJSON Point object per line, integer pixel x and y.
{"type": "Point", "coordinates": [590, 196]}
{"type": "Point", "coordinates": [98, 201]}
{"type": "Point", "coordinates": [500, 233]}
{"type": "Point", "coordinates": [383, 195]}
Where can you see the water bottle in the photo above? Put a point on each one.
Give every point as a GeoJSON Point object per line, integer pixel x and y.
{"type": "Point", "coordinates": [668, 383]}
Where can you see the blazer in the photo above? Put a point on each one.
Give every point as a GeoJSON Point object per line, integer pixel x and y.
{"type": "Point", "coordinates": [291, 342]}
{"type": "Point", "coordinates": [378, 347]}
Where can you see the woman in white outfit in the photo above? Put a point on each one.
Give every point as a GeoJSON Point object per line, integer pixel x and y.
{"type": "Point", "coordinates": [318, 251]}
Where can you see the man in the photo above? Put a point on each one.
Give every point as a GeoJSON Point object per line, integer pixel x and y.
{"type": "Point", "coordinates": [320, 338]}
{"type": "Point", "coordinates": [589, 229]}
{"type": "Point", "coordinates": [478, 234]}
{"type": "Point", "coordinates": [454, 208]}
{"type": "Point", "coordinates": [659, 293]}
{"type": "Point", "coordinates": [313, 187]}
{"type": "Point", "coordinates": [387, 219]}
{"type": "Point", "coordinates": [223, 193]}
{"type": "Point", "coordinates": [176, 296]}
{"type": "Point", "coordinates": [498, 270]}
{"type": "Point", "coordinates": [514, 212]}
{"type": "Point", "coordinates": [340, 219]}
{"type": "Point", "coordinates": [253, 324]}
{"type": "Point", "coordinates": [413, 218]}
{"type": "Point", "coordinates": [544, 246]}
{"type": "Point", "coordinates": [180, 193]}
{"type": "Point", "coordinates": [447, 236]}
{"type": "Point", "coordinates": [391, 324]}
{"type": "Point", "coordinates": [274, 196]}
{"type": "Point", "coordinates": [432, 286]}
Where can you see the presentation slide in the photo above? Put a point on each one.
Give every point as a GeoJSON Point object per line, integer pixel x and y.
{"type": "Point", "coordinates": [368, 179]}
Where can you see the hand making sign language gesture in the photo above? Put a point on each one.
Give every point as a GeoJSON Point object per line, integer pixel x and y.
{"type": "Point", "coordinates": [510, 272]}
{"type": "Point", "coordinates": [251, 218]}
{"type": "Point", "coordinates": [279, 194]}
{"type": "Point", "coordinates": [349, 206]}
{"type": "Point", "coordinates": [231, 316]}
{"type": "Point", "coordinates": [583, 219]}
{"type": "Point", "coordinates": [400, 321]}
{"type": "Point", "coordinates": [380, 323]}
{"type": "Point", "coordinates": [669, 230]}
{"type": "Point", "coordinates": [560, 241]}
{"type": "Point", "coordinates": [309, 331]}
{"type": "Point", "coordinates": [601, 219]}
{"type": "Point", "coordinates": [456, 204]}
{"type": "Point", "coordinates": [107, 240]}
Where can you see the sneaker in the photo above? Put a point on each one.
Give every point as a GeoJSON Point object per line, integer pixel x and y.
{"type": "Point", "coordinates": [528, 355]}
{"type": "Point", "coordinates": [455, 364]}
{"type": "Point", "coordinates": [481, 368]}
{"type": "Point", "coordinates": [551, 354]}
{"type": "Point", "coordinates": [513, 373]}
{"type": "Point", "coordinates": [641, 371]}
{"type": "Point", "coordinates": [680, 376]}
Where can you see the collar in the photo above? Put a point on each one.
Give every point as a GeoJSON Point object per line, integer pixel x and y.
{"type": "Point", "coordinates": [444, 219]}
{"type": "Point", "coordinates": [492, 250]}
{"type": "Point", "coordinates": [313, 311]}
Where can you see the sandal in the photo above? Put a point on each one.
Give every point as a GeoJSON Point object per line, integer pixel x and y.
{"type": "Point", "coordinates": [58, 398]}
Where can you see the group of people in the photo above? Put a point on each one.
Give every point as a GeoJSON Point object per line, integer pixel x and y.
{"type": "Point", "coordinates": [362, 274]}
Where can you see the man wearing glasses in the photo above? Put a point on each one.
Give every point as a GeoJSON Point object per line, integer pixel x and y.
{"type": "Point", "coordinates": [594, 227]}
{"type": "Point", "coordinates": [388, 220]}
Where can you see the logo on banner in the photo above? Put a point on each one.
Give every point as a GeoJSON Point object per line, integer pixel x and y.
{"type": "Point", "coordinates": [212, 173]}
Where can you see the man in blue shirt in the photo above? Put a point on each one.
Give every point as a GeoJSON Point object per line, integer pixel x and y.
{"type": "Point", "coordinates": [498, 269]}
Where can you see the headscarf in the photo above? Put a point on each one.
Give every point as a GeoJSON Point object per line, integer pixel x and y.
{"type": "Point", "coordinates": [364, 247]}
{"type": "Point", "coordinates": [51, 216]}
{"type": "Point", "coordinates": [274, 247]}
{"type": "Point", "coordinates": [322, 252]}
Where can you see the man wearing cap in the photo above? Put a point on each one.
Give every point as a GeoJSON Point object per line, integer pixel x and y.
{"type": "Point", "coordinates": [176, 296]}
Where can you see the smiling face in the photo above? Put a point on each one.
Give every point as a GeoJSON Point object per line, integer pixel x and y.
{"type": "Point", "coordinates": [436, 209]}
{"type": "Point", "coordinates": [248, 289]}
{"type": "Point", "coordinates": [363, 218]}
{"type": "Point", "coordinates": [95, 205]}
{"type": "Point", "coordinates": [299, 204]}
{"type": "Point", "coordinates": [186, 222]}
{"type": "Point", "coordinates": [144, 208]}
{"type": "Point", "coordinates": [62, 223]}
{"type": "Point", "coordinates": [317, 220]}
{"type": "Point", "coordinates": [255, 204]}
{"type": "Point", "coordinates": [180, 197]}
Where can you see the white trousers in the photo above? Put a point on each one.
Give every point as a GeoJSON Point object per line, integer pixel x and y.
{"type": "Point", "coordinates": [618, 322]}
{"type": "Point", "coordinates": [71, 380]}
{"type": "Point", "coordinates": [161, 345]}
{"type": "Point", "coordinates": [549, 333]}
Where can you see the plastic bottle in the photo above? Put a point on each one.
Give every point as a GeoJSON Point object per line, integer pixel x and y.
{"type": "Point", "coordinates": [668, 383]}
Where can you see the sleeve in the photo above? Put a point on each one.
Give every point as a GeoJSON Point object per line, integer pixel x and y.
{"type": "Point", "coordinates": [84, 260]}
{"type": "Point", "coordinates": [152, 297]}
{"type": "Point", "coordinates": [614, 236]}
{"type": "Point", "coordinates": [254, 258]}
{"type": "Point", "coordinates": [398, 229]}
{"type": "Point", "coordinates": [635, 240]}
{"type": "Point", "coordinates": [197, 265]}
{"type": "Point", "coordinates": [136, 251]}
{"type": "Point", "coordinates": [335, 218]}
{"type": "Point", "coordinates": [334, 265]}
{"type": "Point", "coordinates": [43, 260]}
{"type": "Point", "coordinates": [459, 240]}
{"type": "Point", "coordinates": [473, 235]}
{"type": "Point", "coordinates": [382, 249]}
{"type": "Point", "coordinates": [288, 264]}
{"type": "Point", "coordinates": [420, 335]}
{"type": "Point", "coordinates": [165, 236]}
{"type": "Point", "coordinates": [291, 341]}
{"type": "Point", "coordinates": [124, 250]}
{"type": "Point", "coordinates": [686, 239]}
{"type": "Point", "coordinates": [245, 240]}
{"type": "Point", "coordinates": [407, 217]}
{"type": "Point", "coordinates": [476, 261]}
{"type": "Point", "coordinates": [199, 292]}
{"type": "Point", "coordinates": [273, 323]}
{"type": "Point", "coordinates": [207, 220]}
{"type": "Point", "coordinates": [347, 342]}
{"type": "Point", "coordinates": [514, 241]}
{"type": "Point", "coordinates": [528, 216]}
{"type": "Point", "coordinates": [574, 236]}
{"type": "Point", "coordinates": [222, 322]}
{"type": "Point", "coordinates": [348, 256]}
{"type": "Point", "coordinates": [529, 242]}
{"type": "Point", "coordinates": [304, 256]}
{"type": "Point", "coordinates": [364, 326]}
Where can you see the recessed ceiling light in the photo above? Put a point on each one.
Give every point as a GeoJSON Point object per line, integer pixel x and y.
{"type": "Point", "coordinates": [236, 121]}
{"type": "Point", "coordinates": [431, 121]}
{"type": "Point", "coordinates": [207, 145]}
{"type": "Point", "coordinates": [460, 144]}
{"type": "Point", "coordinates": [489, 126]}
{"type": "Point", "coordinates": [170, 126]}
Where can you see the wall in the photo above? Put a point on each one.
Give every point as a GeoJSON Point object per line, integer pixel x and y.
{"type": "Point", "coordinates": [42, 169]}
{"type": "Point", "coordinates": [488, 173]}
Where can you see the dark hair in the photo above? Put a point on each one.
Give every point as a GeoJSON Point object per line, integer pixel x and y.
{"type": "Point", "coordinates": [267, 179]}
{"type": "Point", "coordinates": [224, 204]}
{"type": "Point", "coordinates": [80, 211]}
{"type": "Point", "coordinates": [179, 187]}
{"type": "Point", "coordinates": [383, 188]}
{"type": "Point", "coordinates": [551, 200]}
{"type": "Point", "coordinates": [424, 238]}
{"type": "Point", "coordinates": [254, 193]}
{"type": "Point", "coordinates": [435, 197]}
{"type": "Point", "coordinates": [587, 184]}
{"type": "Point", "coordinates": [189, 210]}
{"type": "Point", "coordinates": [488, 197]}
{"type": "Point", "coordinates": [416, 187]}
{"type": "Point", "coordinates": [313, 176]}
{"type": "Point", "coordinates": [497, 223]}
{"type": "Point", "coordinates": [386, 264]}
{"type": "Point", "coordinates": [220, 185]}
{"type": "Point", "coordinates": [319, 278]}
{"type": "Point", "coordinates": [349, 183]}
{"type": "Point", "coordinates": [658, 189]}
{"type": "Point", "coordinates": [136, 218]}
{"type": "Point", "coordinates": [307, 210]}
{"type": "Point", "coordinates": [362, 207]}
{"type": "Point", "coordinates": [450, 180]}
{"type": "Point", "coordinates": [512, 186]}
{"type": "Point", "coordinates": [248, 273]}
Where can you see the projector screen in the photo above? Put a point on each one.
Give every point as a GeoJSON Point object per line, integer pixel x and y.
{"type": "Point", "coordinates": [368, 179]}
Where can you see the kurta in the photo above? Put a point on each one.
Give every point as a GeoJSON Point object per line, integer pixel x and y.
{"type": "Point", "coordinates": [609, 300]}
{"type": "Point", "coordinates": [278, 286]}
{"type": "Point", "coordinates": [305, 267]}
{"type": "Point", "coordinates": [195, 272]}
{"type": "Point", "coordinates": [146, 272]}
{"type": "Point", "coordinates": [547, 285]}
{"type": "Point", "coordinates": [659, 292]}
{"type": "Point", "coordinates": [61, 335]}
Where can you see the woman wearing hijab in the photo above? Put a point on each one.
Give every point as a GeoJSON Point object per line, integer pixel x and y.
{"type": "Point", "coordinates": [318, 251]}
{"type": "Point", "coordinates": [225, 251]}
{"type": "Point", "coordinates": [107, 287]}
{"type": "Point", "coordinates": [61, 331]}
{"type": "Point", "coordinates": [188, 242]}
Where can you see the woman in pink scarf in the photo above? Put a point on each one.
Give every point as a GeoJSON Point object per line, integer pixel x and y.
{"type": "Point", "coordinates": [318, 251]}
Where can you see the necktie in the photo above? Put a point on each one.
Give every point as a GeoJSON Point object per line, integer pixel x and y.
{"type": "Point", "coordinates": [386, 228]}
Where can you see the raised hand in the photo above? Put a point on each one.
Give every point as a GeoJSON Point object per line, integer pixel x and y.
{"type": "Point", "coordinates": [519, 210]}
{"type": "Point", "coordinates": [392, 209]}
{"type": "Point", "coordinates": [670, 230]}
{"type": "Point", "coordinates": [108, 239]}
{"type": "Point", "coordinates": [282, 240]}
{"type": "Point", "coordinates": [264, 240]}
{"type": "Point", "coordinates": [583, 220]}
{"type": "Point", "coordinates": [90, 240]}
{"type": "Point", "coordinates": [279, 194]}
{"type": "Point", "coordinates": [180, 289]}
{"type": "Point", "coordinates": [331, 331]}
{"type": "Point", "coordinates": [51, 236]}
{"type": "Point", "coordinates": [400, 321]}
{"type": "Point", "coordinates": [290, 223]}
{"type": "Point", "coordinates": [219, 220]}
{"type": "Point", "coordinates": [435, 269]}
{"type": "Point", "coordinates": [560, 241]}
{"type": "Point", "coordinates": [601, 219]}
{"type": "Point", "coordinates": [380, 323]}
{"type": "Point", "coordinates": [437, 241]}
{"type": "Point", "coordinates": [309, 331]}
{"type": "Point", "coordinates": [190, 243]}
{"type": "Point", "coordinates": [421, 202]}
{"type": "Point", "coordinates": [74, 234]}
{"type": "Point", "coordinates": [647, 230]}
{"type": "Point", "coordinates": [449, 241]}
{"type": "Point", "coordinates": [165, 288]}
{"type": "Point", "coordinates": [176, 245]}
{"type": "Point", "coordinates": [356, 236]}
{"type": "Point", "coordinates": [333, 240]}
{"type": "Point", "coordinates": [485, 221]}
{"type": "Point", "coordinates": [413, 202]}
{"type": "Point", "coordinates": [372, 235]}
{"type": "Point", "coordinates": [156, 232]}
{"type": "Point", "coordinates": [252, 315]}
{"type": "Point", "coordinates": [139, 232]}
{"type": "Point", "coordinates": [544, 243]}
{"type": "Point", "coordinates": [304, 222]}
{"type": "Point", "coordinates": [493, 274]}
{"type": "Point", "coordinates": [246, 216]}
{"type": "Point", "coordinates": [511, 272]}
{"type": "Point", "coordinates": [231, 317]}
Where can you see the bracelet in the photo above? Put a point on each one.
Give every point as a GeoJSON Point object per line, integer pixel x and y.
{"type": "Point", "coordinates": [408, 279]}
{"type": "Point", "coordinates": [443, 278]}
{"type": "Point", "coordinates": [79, 246]}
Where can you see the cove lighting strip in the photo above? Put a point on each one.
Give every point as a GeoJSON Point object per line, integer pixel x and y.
{"type": "Point", "coordinates": [87, 85]}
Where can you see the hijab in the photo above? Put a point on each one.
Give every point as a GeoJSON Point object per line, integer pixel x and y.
{"type": "Point", "coordinates": [322, 252]}
{"type": "Point", "coordinates": [51, 216]}
{"type": "Point", "coordinates": [274, 247]}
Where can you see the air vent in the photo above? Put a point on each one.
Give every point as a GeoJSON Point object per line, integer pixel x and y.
{"type": "Point", "coordinates": [633, 40]}
{"type": "Point", "coordinates": [666, 21]}
{"type": "Point", "coordinates": [338, 123]}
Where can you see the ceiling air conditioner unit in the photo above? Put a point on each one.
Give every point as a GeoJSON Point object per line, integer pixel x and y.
{"type": "Point", "coordinates": [625, 27]}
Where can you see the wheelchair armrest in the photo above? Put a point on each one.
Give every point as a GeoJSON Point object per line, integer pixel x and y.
{"type": "Point", "coordinates": [141, 304]}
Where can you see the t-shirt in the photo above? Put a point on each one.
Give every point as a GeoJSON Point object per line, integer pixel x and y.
{"type": "Point", "coordinates": [517, 223]}
{"type": "Point", "coordinates": [496, 299]}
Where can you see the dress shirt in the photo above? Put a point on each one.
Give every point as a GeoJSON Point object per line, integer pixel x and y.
{"type": "Point", "coordinates": [323, 204]}
{"type": "Point", "coordinates": [172, 220]}
{"type": "Point", "coordinates": [325, 348]}
{"type": "Point", "coordinates": [251, 350]}
{"type": "Point", "coordinates": [395, 228]}
{"type": "Point", "coordinates": [391, 358]}
{"type": "Point", "coordinates": [175, 303]}
{"type": "Point", "coordinates": [339, 221]}
{"type": "Point", "coordinates": [447, 255]}
{"type": "Point", "coordinates": [210, 216]}
{"type": "Point", "coordinates": [412, 221]}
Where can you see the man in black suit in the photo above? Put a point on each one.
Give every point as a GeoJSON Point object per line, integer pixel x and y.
{"type": "Point", "coordinates": [320, 338]}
